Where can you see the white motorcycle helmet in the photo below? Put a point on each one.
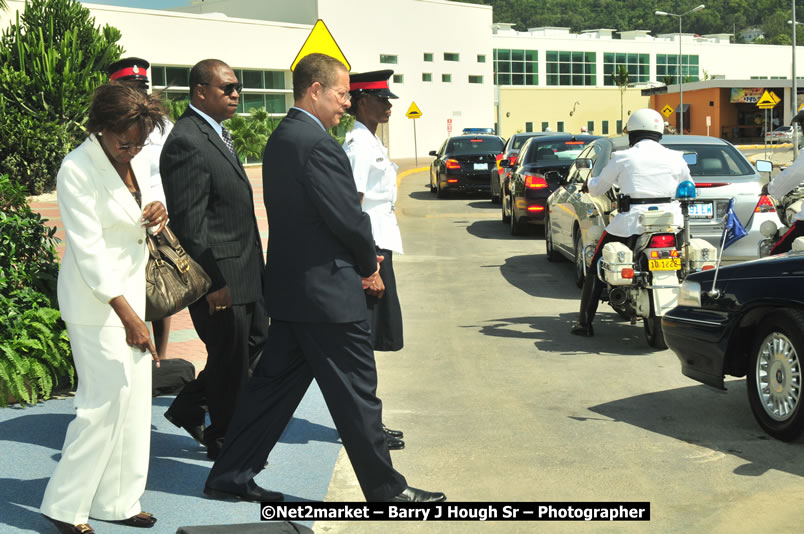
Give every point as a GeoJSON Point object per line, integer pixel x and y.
{"type": "Point", "coordinates": [647, 119]}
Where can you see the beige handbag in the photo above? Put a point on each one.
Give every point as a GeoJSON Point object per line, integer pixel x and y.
{"type": "Point", "coordinates": [173, 280]}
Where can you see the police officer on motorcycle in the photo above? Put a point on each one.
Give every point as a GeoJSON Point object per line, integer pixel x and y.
{"type": "Point", "coordinates": [647, 174]}
{"type": "Point", "coordinates": [786, 181]}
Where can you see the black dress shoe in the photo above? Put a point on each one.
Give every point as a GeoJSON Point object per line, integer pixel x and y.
{"type": "Point", "coordinates": [417, 495]}
{"type": "Point", "coordinates": [141, 520]}
{"type": "Point", "coordinates": [394, 444]}
{"type": "Point", "coordinates": [252, 493]}
{"type": "Point", "coordinates": [195, 431]}
{"type": "Point", "coordinates": [393, 433]}
{"type": "Point", "coordinates": [67, 528]}
{"type": "Point", "coordinates": [580, 329]}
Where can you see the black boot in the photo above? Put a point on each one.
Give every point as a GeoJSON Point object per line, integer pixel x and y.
{"type": "Point", "coordinates": [580, 329]}
{"type": "Point", "coordinates": [592, 288]}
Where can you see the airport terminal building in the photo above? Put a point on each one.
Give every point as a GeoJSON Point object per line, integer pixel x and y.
{"type": "Point", "coordinates": [459, 67]}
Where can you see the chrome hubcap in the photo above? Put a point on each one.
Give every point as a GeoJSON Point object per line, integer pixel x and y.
{"type": "Point", "coordinates": [778, 375]}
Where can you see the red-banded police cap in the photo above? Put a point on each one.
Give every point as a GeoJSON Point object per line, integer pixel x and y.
{"type": "Point", "coordinates": [130, 68]}
{"type": "Point", "coordinates": [373, 83]}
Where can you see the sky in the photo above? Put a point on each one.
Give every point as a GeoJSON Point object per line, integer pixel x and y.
{"type": "Point", "coordinates": [144, 4]}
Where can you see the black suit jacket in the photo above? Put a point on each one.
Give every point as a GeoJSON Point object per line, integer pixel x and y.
{"type": "Point", "coordinates": [211, 207]}
{"type": "Point", "coordinates": [320, 243]}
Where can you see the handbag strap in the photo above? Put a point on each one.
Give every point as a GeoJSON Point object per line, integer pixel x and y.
{"type": "Point", "coordinates": [168, 235]}
{"type": "Point", "coordinates": [153, 248]}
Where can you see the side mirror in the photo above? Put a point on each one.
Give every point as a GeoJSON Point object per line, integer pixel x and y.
{"type": "Point", "coordinates": [764, 165]}
{"type": "Point", "coordinates": [583, 163]}
{"type": "Point", "coordinates": [505, 163]}
{"type": "Point", "coordinates": [433, 153]}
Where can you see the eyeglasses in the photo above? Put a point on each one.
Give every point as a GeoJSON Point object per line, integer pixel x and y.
{"type": "Point", "coordinates": [129, 148]}
{"type": "Point", "coordinates": [229, 88]}
{"type": "Point", "coordinates": [344, 97]}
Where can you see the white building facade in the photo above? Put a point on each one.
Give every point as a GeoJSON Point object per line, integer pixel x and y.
{"type": "Point", "coordinates": [449, 58]}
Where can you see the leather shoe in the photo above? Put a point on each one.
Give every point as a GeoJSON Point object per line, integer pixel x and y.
{"type": "Point", "coordinates": [251, 493]}
{"type": "Point", "coordinates": [416, 495]}
{"type": "Point", "coordinates": [394, 444]}
{"type": "Point", "coordinates": [67, 528]}
{"type": "Point", "coordinates": [393, 433]}
{"type": "Point", "coordinates": [141, 520]}
{"type": "Point", "coordinates": [195, 431]}
{"type": "Point", "coordinates": [580, 329]}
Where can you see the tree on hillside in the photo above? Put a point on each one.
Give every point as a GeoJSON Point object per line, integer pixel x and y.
{"type": "Point", "coordinates": [51, 60]}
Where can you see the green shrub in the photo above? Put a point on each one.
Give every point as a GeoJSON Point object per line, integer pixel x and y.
{"type": "Point", "coordinates": [34, 347]}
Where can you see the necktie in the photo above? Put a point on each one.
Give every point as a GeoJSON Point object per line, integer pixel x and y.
{"type": "Point", "coordinates": [227, 140]}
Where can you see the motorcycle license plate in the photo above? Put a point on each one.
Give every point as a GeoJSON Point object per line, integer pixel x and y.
{"type": "Point", "coordinates": [665, 264]}
{"type": "Point", "coordinates": [701, 210]}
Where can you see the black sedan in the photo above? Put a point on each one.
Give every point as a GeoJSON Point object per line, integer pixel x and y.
{"type": "Point", "coordinates": [500, 174]}
{"type": "Point", "coordinates": [751, 325]}
{"type": "Point", "coordinates": [540, 166]}
{"type": "Point", "coordinates": [463, 163]}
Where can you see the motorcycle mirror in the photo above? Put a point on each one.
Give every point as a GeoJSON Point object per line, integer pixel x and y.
{"type": "Point", "coordinates": [768, 228]}
{"type": "Point", "coordinates": [505, 163]}
{"type": "Point", "coordinates": [764, 165]}
{"type": "Point", "coordinates": [685, 190]}
{"type": "Point", "coordinates": [583, 163]}
{"type": "Point", "coordinates": [596, 232]}
{"type": "Point", "coordinates": [690, 157]}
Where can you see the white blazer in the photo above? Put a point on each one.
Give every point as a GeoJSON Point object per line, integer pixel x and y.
{"type": "Point", "coordinates": [106, 253]}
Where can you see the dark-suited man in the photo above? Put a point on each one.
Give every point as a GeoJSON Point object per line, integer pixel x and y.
{"type": "Point", "coordinates": [321, 246]}
{"type": "Point", "coordinates": [212, 212]}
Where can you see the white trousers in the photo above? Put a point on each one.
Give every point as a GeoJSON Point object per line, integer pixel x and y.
{"type": "Point", "coordinates": [104, 462]}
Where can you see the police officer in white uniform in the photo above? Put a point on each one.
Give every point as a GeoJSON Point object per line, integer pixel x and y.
{"type": "Point", "coordinates": [648, 174]}
{"type": "Point", "coordinates": [786, 181]}
{"type": "Point", "coordinates": [375, 178]}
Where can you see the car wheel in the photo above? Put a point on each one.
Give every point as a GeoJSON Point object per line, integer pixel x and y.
{"type": "Point", "coordinates": [774, 375]}
{"type": "Point", "coordinates": [495, 199]}
{"type": "Point", "coordinates": [579, 259]}
{"type": "Point", "coordinates": [552, 255]}
{"type": "Point", "coordinates": [440, 192]}
{"type": "Point", "coordinates": [503, 201]}
{"type": "Point", "coordinates": [517, 228]}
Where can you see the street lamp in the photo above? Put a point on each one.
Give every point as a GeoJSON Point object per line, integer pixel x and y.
{"type": "Point", "coordinates": [680, 76]}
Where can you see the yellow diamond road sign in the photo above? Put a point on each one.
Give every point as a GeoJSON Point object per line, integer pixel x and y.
{"type": "Point", "coordinates": [768, 100]}
{"type": "Point", "coordinates": [667, 111]}
{"type": "Point", "coordinates": [320, 41]}
{"type": "Point", "coordinates": [413, 111]}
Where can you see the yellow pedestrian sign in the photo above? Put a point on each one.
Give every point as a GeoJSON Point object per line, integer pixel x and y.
{"type": "Point", "coordinates": [413, 111]}
{"type": "Point", "coordinates": [768, 100]}
{"type": "Point", "coordinates": [667, 111]}
{"type": "Point", "coordinates": [320, 41]}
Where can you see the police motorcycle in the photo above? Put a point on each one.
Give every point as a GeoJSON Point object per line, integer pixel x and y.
{"type": "Point", "coordinates": [786, 208]}
{"type": "Point", "coordinates": [642, 277]}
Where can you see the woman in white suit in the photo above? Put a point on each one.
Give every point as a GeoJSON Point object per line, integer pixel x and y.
{"type": "Point", "coordinates": [104, 197]}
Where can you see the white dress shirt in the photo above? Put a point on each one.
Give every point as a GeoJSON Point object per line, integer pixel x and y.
{"type": "Point", "coordinates": [375, 178]}
{"type": "Point", "coordinates": [646, 170]}
{"type": "Point", "coordinates": [786, 181]}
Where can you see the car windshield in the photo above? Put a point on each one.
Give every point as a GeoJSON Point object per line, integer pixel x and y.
{"type": "Point", "coordinates": [474, 145]}
{"type": "Point", "coordinates": [546, 151]}
{"type": "Point", "coordinates": [716, 160]}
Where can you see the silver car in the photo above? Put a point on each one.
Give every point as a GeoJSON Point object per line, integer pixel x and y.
{"type": "Point", "coordinates": [721, 172]}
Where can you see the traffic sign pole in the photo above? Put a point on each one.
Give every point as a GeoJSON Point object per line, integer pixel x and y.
{"type": "Point", "coordinates": [415, 145]}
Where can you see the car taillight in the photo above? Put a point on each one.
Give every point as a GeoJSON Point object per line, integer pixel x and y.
{"type": "Point", "coordinates": [535, 181]}
{"type": "Point", "coordinates": [662, 241]}
{"type": "Point", "coordinates": [452, 164]}
{"type": "Point", "coordinates": [710, 184]}
{"type": "Point", "coordinates": [765, 205]}
{"type": "Point", "coordinates": [533, 208]}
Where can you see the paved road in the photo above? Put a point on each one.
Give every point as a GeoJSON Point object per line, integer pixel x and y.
{"type": "Point", "coordinates": [499, 402]}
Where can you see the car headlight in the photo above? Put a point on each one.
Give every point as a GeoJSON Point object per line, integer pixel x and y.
{"type": "Point", "coordinates": [690, 294]}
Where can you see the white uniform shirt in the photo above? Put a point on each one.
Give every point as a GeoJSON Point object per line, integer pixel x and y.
{"type": "Point", "coordinates": [646, 170]}
{"type": "Point", "coordinates": [154, 149]}
{"type": "Point", "coordinates": [375, 177]}
{"type": "Point", "coordinates": [786, 181]}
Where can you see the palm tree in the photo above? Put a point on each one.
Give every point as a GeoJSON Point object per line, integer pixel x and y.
{"type": "Point", "coordinates": [621, 80]}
